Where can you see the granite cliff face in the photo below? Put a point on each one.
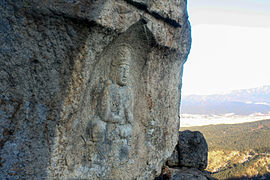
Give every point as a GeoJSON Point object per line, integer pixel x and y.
{"type": "Point", "coordinates": [90, 89]}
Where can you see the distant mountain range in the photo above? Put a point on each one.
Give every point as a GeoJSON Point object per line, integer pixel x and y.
{"type": "Point", "coordinates": [240, 102]}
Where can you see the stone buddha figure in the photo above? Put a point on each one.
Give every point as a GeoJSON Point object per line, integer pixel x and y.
{"type": "Point", "coordinates": [115, 116]}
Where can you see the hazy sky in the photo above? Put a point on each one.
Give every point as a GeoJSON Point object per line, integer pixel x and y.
{"type": "Point", "coordinates": [230, 46]}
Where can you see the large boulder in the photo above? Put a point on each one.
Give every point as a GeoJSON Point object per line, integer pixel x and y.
{"type": "Point", "coordinates": [90, 89]}
{"type": "Point", "coordinates": [184, 173]}
{"type": "Point", "coordinates": [188, 160]}
{"type": "Point", "coordinates": [193, 149]}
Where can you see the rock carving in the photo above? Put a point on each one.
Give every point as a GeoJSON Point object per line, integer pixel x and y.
{"type": "Point", "coordinates": [114, 119]}
{"type": "Point", "coordinates": [90, 89]}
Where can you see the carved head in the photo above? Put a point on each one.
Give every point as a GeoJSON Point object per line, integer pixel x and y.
{"type": "Point", "coordinates": [120, 65]}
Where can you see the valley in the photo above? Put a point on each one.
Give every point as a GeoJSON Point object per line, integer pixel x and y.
{"type": "Point", "coordinates": [237, 151]}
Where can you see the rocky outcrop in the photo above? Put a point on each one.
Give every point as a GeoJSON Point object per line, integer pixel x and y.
{"type": "Point", "coordinates": [90, 89]}
{"type": "Point", "coordinates": [184, 173]}
{"type": "Point", "coordinates": [189, 159]}
{"type": "Point", "coordinates": [193, 149]}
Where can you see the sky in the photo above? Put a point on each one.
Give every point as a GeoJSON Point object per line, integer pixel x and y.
{"type": "Point", "coordinates": [230, 46]}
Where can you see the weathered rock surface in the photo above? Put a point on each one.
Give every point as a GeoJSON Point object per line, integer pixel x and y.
{"type": "Point", "coordinates": [193, 149]}
{"type": "Point", "coordinates": [188, 160]}
{"type": "Point", "coordinates": [184, 173]}
{"type": "Point", "coordinates": [90, 89]}
{"type": "Point", "coordinates": [173, 161]}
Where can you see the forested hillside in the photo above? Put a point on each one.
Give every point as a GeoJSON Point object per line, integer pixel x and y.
{"type": "Point", "coordinates": [238, 151]}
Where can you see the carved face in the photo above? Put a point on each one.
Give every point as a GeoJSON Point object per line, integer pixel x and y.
{"type": "Point", "coordinates": [120, 66]}
{"type": "Point", "coordinates": [122, 74]}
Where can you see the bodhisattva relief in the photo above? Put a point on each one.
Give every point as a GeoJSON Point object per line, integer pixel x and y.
{"type": "Point", "coordinates": [113, 122]}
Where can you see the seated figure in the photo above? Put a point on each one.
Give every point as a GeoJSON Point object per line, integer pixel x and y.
{"type": "Point", "coordinates": [115, 116]}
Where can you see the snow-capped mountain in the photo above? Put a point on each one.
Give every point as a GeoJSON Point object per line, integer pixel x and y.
{"type": "Point", "coordinates": [240, 102]}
